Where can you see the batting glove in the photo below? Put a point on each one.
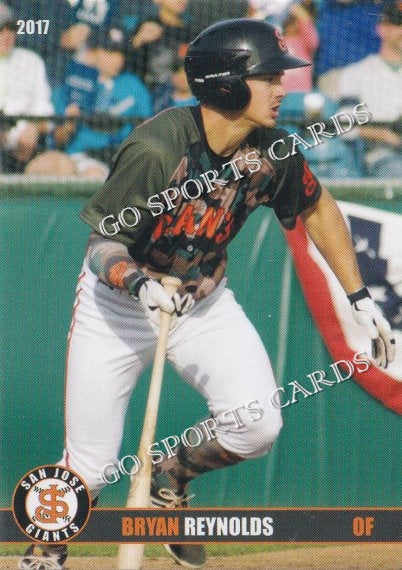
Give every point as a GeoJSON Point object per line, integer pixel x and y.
{"type": "Point", "coordinates": [369, 316]}
{"type": "Point", "coordinates": [153, 296]}
{"type": "Point", "coordinates": [183, 303]}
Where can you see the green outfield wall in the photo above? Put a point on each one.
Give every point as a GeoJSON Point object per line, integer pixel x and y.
{"type": "Point", "coordinates": [337, 448]}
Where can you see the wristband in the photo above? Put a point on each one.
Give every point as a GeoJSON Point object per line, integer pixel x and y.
{"type": "Point", "coordinates": [134, 280]}
{"type": "Point", "coordinates": [359, 295]}
{"type": "Point", "coordinates": [137, 285]}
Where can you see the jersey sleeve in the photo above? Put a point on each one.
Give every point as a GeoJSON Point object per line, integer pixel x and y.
{"type": "Point", "coordinates": [297, 189]}
{"type": "Point", "coordinates": [119, 210]}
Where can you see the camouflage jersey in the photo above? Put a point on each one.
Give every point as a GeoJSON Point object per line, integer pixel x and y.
{"type": "Point", "coordinates": [176, 204]}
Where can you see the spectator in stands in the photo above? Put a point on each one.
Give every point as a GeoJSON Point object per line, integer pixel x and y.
{"type": "Point", "coordinates": [86, 18]}
{"type": "Point", "coordinates": [24, 90]}
{"type": "Point", "coordinates": [347, 31]}
{"type": "Point", "coordinates": [376, 81]}
{"type": "Point", "coordinates": [155, 44]}
{"type": "Point", "coordinates": [179, 94]}
{"type": "Point", "coordinates": [46, 45]}
{"type": "Point", "coordinates": [302, 40]}
{"type": "Point", "coordinates": [133, 12]}
{"type": "Point", "coordinates": [274, 11]}
{"type": "Point", "coordinates": [70, 23]}
{"type": "Point", "coordinates": [84, 150]}
{"type": "Point", "coordinates": [333, 158]}
{"type": "Point", "coordinates": [202, 14]}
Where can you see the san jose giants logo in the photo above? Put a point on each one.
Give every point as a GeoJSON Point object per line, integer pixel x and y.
{"type": "Point", "coordinates": [51, 504]}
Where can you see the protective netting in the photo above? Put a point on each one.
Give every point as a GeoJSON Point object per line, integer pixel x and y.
{"type": "Point", "coordinates": [109, 64]}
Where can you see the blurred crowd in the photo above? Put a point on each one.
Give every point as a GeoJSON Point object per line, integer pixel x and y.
{"type": "Point", "coordinates": [90, 70]}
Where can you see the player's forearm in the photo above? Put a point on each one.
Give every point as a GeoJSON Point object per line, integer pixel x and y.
{"type": "Point", "coordinates": [380, 135]}
{"type": "Point", "coordinates": [327, 228]}
{"type": "Point", "coordinates": [112, 264]}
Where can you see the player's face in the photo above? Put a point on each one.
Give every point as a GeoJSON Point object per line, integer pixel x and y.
{"type": "Point", "coordinates": [267, 93]}
{"type": "Point", "coordinates": [8, 36]}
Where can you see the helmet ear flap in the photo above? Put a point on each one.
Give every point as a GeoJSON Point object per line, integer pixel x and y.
{"type": "Point", "coordinates": [230, 94]}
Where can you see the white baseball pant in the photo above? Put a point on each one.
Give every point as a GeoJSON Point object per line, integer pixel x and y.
{"type": "Point", "coordinates": [214, 348]}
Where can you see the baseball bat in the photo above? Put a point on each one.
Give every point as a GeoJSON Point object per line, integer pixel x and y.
{"type": "Point", "coordinates": [131, 555]}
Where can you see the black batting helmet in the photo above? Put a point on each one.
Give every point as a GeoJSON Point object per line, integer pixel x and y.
{"type": "Point", "coordinates": [224, 54]}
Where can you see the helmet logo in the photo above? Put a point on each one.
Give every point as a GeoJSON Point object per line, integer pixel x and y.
{"type": "Point", "coordinates": [281, 42]}
{"type": "Point", "coordinates": [221, 74]}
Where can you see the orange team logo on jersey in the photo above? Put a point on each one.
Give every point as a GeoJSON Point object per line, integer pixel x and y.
{"type": "Point", "coordinates": [211, 220]}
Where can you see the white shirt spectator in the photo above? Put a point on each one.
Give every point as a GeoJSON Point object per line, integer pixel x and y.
{"type": "Point", "coordinates": [24, 89]}
{"type": "Point", "coordinates": [375, 83]}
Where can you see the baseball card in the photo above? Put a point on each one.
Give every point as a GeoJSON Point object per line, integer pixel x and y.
{"type": "Point", "coordinates": [200, 284]}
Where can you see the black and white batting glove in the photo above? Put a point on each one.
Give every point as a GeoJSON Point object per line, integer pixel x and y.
{"type": "Point", "coordinates": [369, 316]}
{"type": "Point", "coordinates": [153, 297]}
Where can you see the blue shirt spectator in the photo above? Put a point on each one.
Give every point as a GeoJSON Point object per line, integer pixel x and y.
{"type": "Point", "coordinates": [347, 32]}
{"type": "Point", "coordinates": [123, 96]}
{"type": "Point", "coordinates": [84, 149]}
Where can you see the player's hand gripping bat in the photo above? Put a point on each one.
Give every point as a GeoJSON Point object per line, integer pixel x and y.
{"type": "Point", "coordinates": [131, 555]}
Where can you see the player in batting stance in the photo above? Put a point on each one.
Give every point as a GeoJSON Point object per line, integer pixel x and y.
{"type": "Point", "coordinates": [180, 188]}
